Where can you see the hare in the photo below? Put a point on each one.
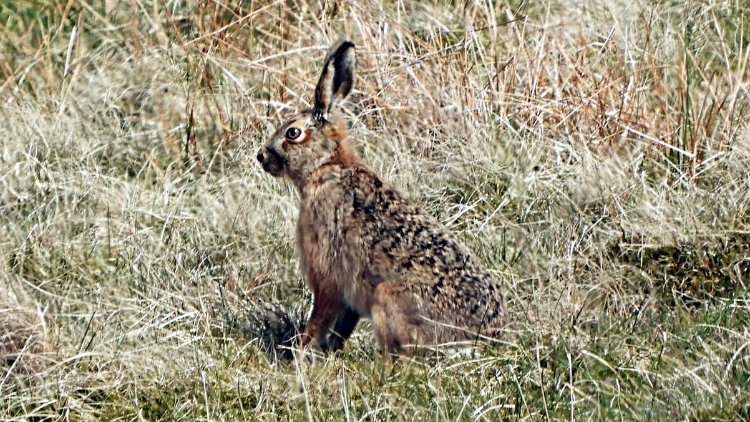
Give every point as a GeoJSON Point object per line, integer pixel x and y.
{"type": "Point", "coordinates": [365, 249]}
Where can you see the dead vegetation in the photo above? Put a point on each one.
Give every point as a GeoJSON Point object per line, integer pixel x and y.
{"type": "Point", "coordinates": [595, 155]}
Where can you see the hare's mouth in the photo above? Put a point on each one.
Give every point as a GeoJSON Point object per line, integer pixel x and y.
{"type": "Point", "coordinates": [272, 162]}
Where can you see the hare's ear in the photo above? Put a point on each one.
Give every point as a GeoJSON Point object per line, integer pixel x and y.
{"type": "Point", "coordinates": [337, 77]}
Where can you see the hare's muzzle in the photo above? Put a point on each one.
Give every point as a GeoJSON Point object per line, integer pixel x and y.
{"type": "Point", "coordinates": [271, 161]}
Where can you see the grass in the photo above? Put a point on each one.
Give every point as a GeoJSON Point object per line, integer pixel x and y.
{"type": "Point", "coordinates": [594, 156]}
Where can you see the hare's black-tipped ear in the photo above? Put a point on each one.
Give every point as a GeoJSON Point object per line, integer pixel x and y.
{"type": "Point", "coordinates": [337, 77]}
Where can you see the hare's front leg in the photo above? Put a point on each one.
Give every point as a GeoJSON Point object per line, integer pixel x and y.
{"type": "Point", "coordinates": [325, 310]}
{"type": "Point", "coordinates": [327, 306]}
{"type": "Point", "coordinates": [345, 324]}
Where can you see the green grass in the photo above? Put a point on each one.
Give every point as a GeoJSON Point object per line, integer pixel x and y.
{"type": "Point", "coordinates": [596, 158]}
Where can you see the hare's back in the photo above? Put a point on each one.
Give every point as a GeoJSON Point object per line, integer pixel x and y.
{"type": "Point", "coordinates": [404, 238]}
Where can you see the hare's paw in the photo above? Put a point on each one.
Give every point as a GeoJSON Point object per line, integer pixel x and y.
{"type": "Point", "coordinates": [308, 355]}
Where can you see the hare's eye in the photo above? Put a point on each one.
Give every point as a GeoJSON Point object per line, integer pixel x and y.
{"type": "Point", "coordinates": [293, 133]}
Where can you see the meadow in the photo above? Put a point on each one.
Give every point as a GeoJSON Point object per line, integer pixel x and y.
{"type": "Point", "coordinates": [595, 155]}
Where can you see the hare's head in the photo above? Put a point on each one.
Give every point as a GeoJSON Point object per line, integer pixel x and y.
{"type": "Point", "coordinates": [309, 140]}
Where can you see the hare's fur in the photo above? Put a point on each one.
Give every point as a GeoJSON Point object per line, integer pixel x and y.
{"type": "Point", "coordinates": [366, 250]}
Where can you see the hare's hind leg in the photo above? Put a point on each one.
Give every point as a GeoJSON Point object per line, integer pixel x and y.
{"type": "Point", "coordinates": [396, 318]}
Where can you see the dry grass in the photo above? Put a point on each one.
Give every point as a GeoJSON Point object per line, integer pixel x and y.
{"type": "Point", "coordinates": [596, 157]}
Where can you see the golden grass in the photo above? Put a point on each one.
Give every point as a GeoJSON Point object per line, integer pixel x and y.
{"type": "Point", "coordinates": [595, 156]}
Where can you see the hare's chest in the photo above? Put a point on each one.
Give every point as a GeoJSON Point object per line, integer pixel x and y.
{"type": "Point", "coordinates": [319, 245]}
{"type": "Point", "coordinates": [334, 257]}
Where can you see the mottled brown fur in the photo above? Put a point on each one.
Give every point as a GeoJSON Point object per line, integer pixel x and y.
{"type": "Point", "coordinates": [366, 250]}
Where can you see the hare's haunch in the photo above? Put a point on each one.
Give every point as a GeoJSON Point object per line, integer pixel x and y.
{"type": "Point", "coordinates": [366, 250]}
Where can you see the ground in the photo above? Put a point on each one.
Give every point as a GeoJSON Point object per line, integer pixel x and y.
{"type": "Point", "coordinates": [595, 156]}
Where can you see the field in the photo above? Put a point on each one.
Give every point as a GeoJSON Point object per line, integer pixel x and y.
{"type": "Point", "coordinates": [596, 156]}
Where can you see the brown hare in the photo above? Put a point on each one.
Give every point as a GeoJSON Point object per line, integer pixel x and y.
{"type": "Point", "coordinates": [366, 250]}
